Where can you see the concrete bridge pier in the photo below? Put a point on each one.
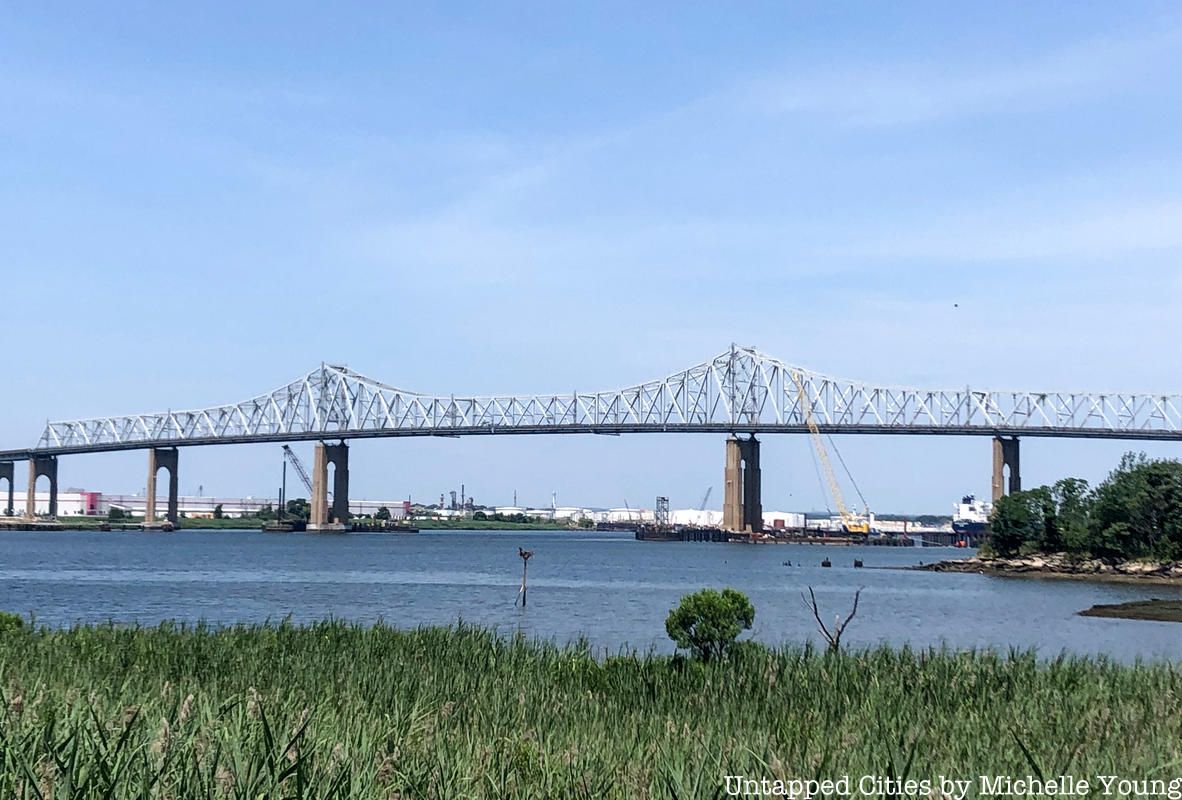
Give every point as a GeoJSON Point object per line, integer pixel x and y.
{"type": "Point", "coordinates": [8, 471]}
{"type": "Point", "coordinates": [1006, 456]}
{"type": "Point", "coordinates": [41, 466]}
{"type": "Point", "coordinates": [161, 458]}
{"type": "Point", "coordinates": [742, 502]}
{"type": "Point", "coordinates": [324, 518]}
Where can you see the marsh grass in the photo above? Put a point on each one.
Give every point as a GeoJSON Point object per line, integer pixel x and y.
{"type": "Point", "coordinates": [337, 710]}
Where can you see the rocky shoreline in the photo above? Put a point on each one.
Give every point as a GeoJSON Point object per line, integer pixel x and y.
{"type": "Point", "coordinates": [1154, 610]}
{"type": "Point", "coordinates": [1060, 565]}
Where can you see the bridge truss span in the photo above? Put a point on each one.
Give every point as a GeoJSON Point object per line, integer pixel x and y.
{"type": "Point", "coordinates": [740, 391]}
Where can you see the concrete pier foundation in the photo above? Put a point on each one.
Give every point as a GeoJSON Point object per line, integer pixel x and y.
{"type": "Point", "coordinates": [742, 502]}
{"type": "Point", "coordinates": [8, 472]}
{"type": "Point", "coordinates": [323, 517]}
{"type": "Point", "coordinates": [162, 458]}
{"type": "Point", "coordinates": [41, 466]}
{"type": "Point", "coordinates": [1006, 455]}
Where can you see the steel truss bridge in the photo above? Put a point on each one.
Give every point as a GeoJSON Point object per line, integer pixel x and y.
{"type": "Point", "coordinates": [739, 391]}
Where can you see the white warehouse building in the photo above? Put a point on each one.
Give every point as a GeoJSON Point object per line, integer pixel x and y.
{"type": "Point", "coordinates": [78, 502]}
{"type": "Point", "coordinates": [72, 502]}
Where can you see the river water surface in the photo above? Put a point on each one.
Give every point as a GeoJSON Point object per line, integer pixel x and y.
{"type": "Point", "coordinates": [609, 588]}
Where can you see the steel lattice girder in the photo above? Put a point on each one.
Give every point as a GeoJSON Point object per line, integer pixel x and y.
{"type": "Point", "coordinates": [740, 390]}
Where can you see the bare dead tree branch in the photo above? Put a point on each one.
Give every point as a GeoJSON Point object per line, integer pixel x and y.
{"type": "Point", "coordinates": [832, 637]}
{"type": "Point", "coordinates": [853, 611]}
{"type": "Point", "coordinates": [811, 602]}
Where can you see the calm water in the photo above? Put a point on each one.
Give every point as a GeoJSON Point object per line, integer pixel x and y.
{"type": "Point", "coordinates": [610, 588]}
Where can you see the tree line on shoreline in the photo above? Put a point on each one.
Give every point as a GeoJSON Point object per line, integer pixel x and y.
{"type": "Point", "coordinates": [1135, 513]}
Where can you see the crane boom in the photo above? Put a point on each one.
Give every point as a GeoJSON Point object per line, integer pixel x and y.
{"type": "Point", "coordinates": [299, 467]}
{"type": "Point", "coordinates": [852, 522]}
{"type": "Point", "coordinates": [706, 498]}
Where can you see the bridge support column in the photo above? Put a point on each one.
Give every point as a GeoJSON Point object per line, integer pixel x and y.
{"type": "Point", "coordinates": [8, 471]}
{"type": "Point", "coordinates": [1006, 455]}
{"type": "Point", "coordinates": [324, 518]}
{"type": "Point", "coordinates": [742, 502]}
{"type": "Point", "coordinates": [732, 497]}
{"type": "Point", "coordinates": [161, 458]}
{"type": "Point", "coordinates": [41, 466]}
{"type": "Point", "coordinates": [317, 515]}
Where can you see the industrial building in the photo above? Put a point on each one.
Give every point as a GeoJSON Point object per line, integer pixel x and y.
{"type": "Point", "coordinates": [71, 502]}
{"type": "Point", "coordinates": [75, 502]}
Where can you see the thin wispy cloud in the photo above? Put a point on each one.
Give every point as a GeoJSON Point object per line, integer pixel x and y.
{"type": "Point", "coordinates": [502, 228]}
{"type": "Point", "coordinates": [913, 92]}
{"type": "Point", "coordinates": [1099, 233]}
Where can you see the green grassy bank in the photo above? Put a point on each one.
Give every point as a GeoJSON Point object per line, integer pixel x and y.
{"type": "Point", "coordinates": [484, 525]}
{"type": "Point", "coordinates": [220, 524]}
{"type": "Point", "coordinates": [336, 710]}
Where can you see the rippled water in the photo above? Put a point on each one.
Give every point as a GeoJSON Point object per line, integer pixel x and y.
{"type": "Point", "coordinates": [610, 588]}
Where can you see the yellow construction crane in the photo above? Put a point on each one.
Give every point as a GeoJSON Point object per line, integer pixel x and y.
{"type": "Point", "coordinates": [853, 523]}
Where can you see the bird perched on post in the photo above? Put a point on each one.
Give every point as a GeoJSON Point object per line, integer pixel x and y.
{"type": "Point", "coordinates": [525, 556]}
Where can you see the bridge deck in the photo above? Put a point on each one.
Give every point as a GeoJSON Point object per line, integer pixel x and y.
{"type": "Point", "coordinates": [862, 430]}
{"type": "Point", "coordinates": [739, 391]}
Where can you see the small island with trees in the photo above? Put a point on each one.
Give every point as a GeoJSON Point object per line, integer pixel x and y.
{"type": "Point", "coordinates": [1128, 528]}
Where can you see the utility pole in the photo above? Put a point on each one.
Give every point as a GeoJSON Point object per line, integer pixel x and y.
{"type": "Point", "coordinates": [282, 494]}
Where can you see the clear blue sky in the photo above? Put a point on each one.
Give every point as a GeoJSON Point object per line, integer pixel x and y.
{"type": "Point", "coordinates": [199, 203]}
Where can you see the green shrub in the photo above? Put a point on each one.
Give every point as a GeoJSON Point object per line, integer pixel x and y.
{"type": "Point", "coordinates": [10, 622]}
{"type": "Point", "coordinates": [708, 622]}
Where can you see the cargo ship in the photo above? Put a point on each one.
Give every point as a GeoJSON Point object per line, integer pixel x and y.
{"type": "Point", "coordinates": [971, 516]}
